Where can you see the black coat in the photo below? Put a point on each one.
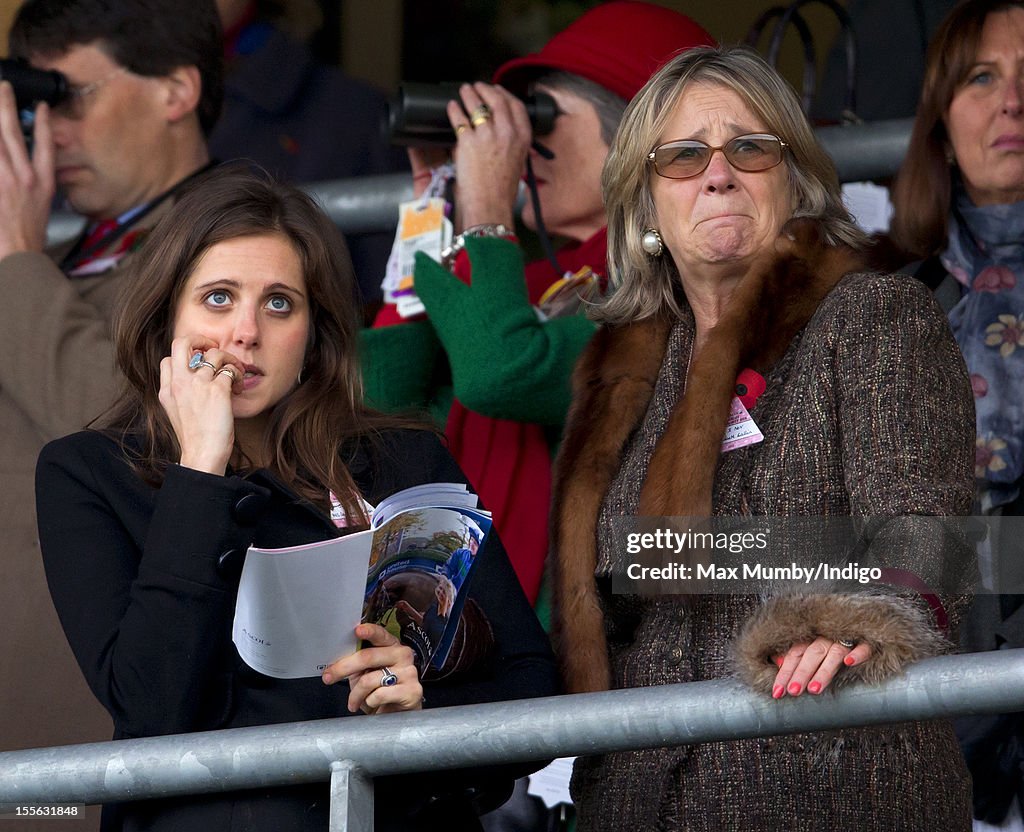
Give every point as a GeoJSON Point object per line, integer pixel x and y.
{"type": "Point", "coordinates": [144, 581]}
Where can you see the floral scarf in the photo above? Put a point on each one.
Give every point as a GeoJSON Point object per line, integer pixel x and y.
{"type": "Point", "coordinates": [986, 256]}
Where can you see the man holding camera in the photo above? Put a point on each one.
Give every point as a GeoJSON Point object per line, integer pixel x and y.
{"type": "Point", "coordinates": [144, 84]}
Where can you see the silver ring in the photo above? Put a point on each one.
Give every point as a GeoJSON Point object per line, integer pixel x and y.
{"type": "Point", "coordinates": [195, 361]}
{"type": "Point", "coordinates": [226, 371]}
{"type": "Point", "coordinates": [210, 364]}
{"type": "Point", "coordinates": [387, 678]}
{"type": "Point", "coordinates": [847, 643]}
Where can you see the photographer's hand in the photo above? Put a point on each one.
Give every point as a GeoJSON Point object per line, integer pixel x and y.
{"type": "Point", "coordinates": [26, 183]}
{"type": "Point", "coordinates": [490, 157]}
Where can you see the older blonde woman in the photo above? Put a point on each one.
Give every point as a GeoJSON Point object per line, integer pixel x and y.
{"type": "Point", "coordinates": [731, 251]}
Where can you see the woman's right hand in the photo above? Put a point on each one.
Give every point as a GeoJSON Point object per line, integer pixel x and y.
{"type": "Point", "coordinates": [198, 402]}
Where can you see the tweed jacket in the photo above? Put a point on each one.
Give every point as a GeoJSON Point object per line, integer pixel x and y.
{"type": "Point", "coordinates": [867, 412]}
{"type": "Point", "coordinates": [57, 374]}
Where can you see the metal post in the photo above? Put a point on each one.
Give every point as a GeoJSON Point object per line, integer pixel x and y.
{"type": "Point", "coordinates": [351, 799]}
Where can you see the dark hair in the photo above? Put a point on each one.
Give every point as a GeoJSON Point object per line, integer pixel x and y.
{"type": "Point", "coordinates": [923, 191]}
{"type": "Point", "coordinates": [308, 429]}
{"type": "Point", "coordinates": [147, 37]}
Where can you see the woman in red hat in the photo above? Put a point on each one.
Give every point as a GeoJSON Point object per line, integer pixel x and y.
{"type": "Point", "coordinates": [505, 368]}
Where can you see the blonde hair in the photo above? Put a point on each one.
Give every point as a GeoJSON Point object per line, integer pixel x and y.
{"type": "Point", "coordinates": [645, 286]}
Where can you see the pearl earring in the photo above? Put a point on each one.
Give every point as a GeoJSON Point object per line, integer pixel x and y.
{"type": "Point", "coordinates": [651, 242]}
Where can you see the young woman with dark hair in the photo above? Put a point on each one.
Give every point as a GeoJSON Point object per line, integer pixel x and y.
{"type": "Point", "coordinates": [242, 424]}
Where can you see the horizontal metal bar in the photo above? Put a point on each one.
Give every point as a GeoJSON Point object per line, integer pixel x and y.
{"type": "Point", "coordinates": [501, 732]}
{"type": "Point", "coordinates": [363, 203]}
{"type": "Point", "coordinates": [358, 205]}
{"type": "Point", "coordinates": [873, 150]}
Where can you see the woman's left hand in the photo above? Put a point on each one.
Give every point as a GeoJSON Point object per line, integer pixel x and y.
{"type": "Point", "coordinates": [366, 670]}
{"type": "Point", "coordinates": [812, 666]}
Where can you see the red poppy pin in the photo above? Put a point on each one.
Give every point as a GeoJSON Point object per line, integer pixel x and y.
{"type": "Point", "coordinates": [749, 387]}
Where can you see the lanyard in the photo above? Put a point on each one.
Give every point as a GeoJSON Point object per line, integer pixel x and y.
{"type": "Point", "coordinates": [79, 255]}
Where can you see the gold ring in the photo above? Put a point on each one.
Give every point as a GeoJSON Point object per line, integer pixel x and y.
{"type": "Point", "coordinates": [480, 115]}
{"type": "Point", "coordinates": [227, 371]}
{"type": "Point", "coordinates": [460, 129]}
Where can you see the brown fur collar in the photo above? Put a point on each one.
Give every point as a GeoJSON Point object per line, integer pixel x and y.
{"type": "Point", "coordinates": [612, 386]}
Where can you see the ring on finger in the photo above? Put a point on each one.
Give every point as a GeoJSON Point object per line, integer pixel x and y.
{"type": "Point", "coordinates": [460, 129]}
{"type": "Point", "coordinates": [226, 371]}
{"type": "Point", "coordinates": [849, 644]}
{"type": "Point", "coordinates": [205, 363]}
{"type": "Point", "coordinates": [482, 118]}
{"type": "Point", "coordinates": [195, 361]}
{"type": "Point", "coordinates": [387, 678]}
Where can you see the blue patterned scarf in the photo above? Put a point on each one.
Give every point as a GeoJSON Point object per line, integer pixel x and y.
{"type": "Point", "coordinates": [986, 256]}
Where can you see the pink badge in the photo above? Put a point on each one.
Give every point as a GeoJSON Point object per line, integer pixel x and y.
{"type": "Point", "coordinates": [740, 430]}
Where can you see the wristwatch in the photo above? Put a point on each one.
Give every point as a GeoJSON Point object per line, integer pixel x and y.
{"type": "Point", "coordinates": [491, 229]}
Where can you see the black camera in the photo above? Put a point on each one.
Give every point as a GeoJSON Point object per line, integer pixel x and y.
{"type": "Point", "coordinates": [418, 115]}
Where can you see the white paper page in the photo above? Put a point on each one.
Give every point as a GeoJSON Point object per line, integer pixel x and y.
{"type": "Point", "coordinates": [551, 783]}
{"type": "Point", "coordinates": [451, 494]}
{"type": "Point", "coordinates": [297, 613]}
{"type": "Point", "coordinates": [870, 206]}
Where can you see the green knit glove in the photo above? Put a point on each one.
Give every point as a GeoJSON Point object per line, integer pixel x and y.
{"type": "Point", "coordinates": [401, 368]}
{"type": "Point", "coordinates": [505, 363]}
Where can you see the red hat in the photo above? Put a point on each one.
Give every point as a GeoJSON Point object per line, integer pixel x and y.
{"type": "Point", "coordinates": [618, 45]}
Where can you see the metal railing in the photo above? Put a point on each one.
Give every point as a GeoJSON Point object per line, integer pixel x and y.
{"type": "Point", "coordinates": [872, 150]}
{"type": "Point", "coordinates": [350, 752]}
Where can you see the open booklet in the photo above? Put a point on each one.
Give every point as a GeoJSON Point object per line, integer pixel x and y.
{"type": "Point", "coordinates": [298, 607]}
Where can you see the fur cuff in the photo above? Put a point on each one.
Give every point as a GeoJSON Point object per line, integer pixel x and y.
{"type": "Point", "coordinates": [898, 631]}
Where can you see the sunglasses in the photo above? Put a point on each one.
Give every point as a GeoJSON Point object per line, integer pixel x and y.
{"type": "Point", "coordinates": [682, 159]}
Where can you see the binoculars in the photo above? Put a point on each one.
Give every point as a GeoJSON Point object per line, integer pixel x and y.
{"type": "Point", "coordinates": [418, 115]}
{"type": "Point", "coordinates": [33, 85]}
